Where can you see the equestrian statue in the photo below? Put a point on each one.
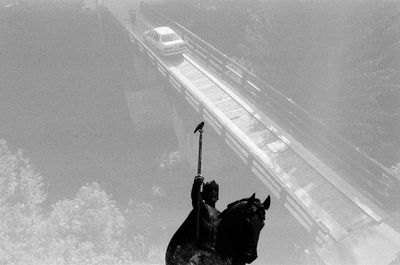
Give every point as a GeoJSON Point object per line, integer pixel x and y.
{"type": "Point", "coordinates": [208, 236]}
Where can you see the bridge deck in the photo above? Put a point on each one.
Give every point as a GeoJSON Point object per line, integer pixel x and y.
{"type": "Point", "coordinates": [291, 169]}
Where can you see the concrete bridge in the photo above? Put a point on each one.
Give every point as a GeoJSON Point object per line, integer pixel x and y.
{"type": "Point", "coordinates": [348, 225]}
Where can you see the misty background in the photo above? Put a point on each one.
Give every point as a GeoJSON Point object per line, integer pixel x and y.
{"type": "Point", "coordinates": [80, 185]}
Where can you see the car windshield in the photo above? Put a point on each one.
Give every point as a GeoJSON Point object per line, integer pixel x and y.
{"type": "Point", "coordinates": [170, 37]}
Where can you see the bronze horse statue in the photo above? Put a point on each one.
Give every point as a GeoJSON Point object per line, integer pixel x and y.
{"type": "Point", "coordinates": [236, 239]}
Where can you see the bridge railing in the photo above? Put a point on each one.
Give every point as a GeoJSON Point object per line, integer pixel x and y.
{"type": "Point", "coordinates": [379, 178]}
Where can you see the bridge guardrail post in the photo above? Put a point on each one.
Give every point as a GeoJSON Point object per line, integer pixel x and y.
{"type": "Point", "coordinates": [244, 79]}
{"type": "Point", "coordinates": [223, 133]}
{"type": "Point", "coordinates": [250, 161]}
{"type": "Point", "coordinates": [201, 111]}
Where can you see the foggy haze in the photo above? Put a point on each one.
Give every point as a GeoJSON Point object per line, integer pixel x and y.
{"type": "Point", "coordinates": [69, 99]}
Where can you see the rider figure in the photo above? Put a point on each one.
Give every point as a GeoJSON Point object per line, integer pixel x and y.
{"type": "Point", "coordinates": [209, 215]}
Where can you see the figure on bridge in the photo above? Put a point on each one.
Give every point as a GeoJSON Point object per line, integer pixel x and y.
{"type": "Point", "coordinates": [132, 16]}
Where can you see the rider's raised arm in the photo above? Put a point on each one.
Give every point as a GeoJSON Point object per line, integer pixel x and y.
{"type": "Point", "coordinates": [195, 194]}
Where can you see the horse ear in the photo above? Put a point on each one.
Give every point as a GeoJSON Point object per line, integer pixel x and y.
{"type": "Point", "coordinates": [252, 198]}
{"type": "Point", "coordinates": [267, 203]}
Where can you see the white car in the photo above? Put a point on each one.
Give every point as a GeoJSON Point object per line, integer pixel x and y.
{"type": "Point", "coordinates": [164, 40]}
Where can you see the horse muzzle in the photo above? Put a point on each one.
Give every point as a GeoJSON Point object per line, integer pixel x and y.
{"type": "Point", "coordinates": [250, 256]}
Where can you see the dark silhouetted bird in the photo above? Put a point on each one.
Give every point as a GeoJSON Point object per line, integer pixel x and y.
{"type": "Point", "coordinates": [199, 127]}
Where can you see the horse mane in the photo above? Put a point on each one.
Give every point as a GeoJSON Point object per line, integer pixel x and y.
{"type": "Point", "coordinates": [236, 203]}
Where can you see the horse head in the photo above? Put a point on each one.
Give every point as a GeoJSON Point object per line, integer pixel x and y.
{"type": "Point", "coordinates": [239, 229]}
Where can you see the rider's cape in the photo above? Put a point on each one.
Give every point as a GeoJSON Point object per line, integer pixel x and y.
{"type": "Point", "coordinates": [185, 234]}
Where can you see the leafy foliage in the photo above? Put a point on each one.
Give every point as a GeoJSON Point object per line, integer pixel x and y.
{"type": "Point", "coordinates": [89, 224]}
{"type": "Point", "coordinates": [20, 197]}
{"type": "Point", "coordinates": [171, 160]}
{"type": "Point", "coordinates": [396, 169]}
{"type": "Point", "coordinates": [88, 229]}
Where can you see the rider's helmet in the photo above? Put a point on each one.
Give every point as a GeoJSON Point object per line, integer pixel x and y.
{"type": "Point", "coordinates": [209, 187]}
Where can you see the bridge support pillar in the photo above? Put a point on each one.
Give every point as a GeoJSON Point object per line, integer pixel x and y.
{"type": "Point", "coordinates": [148, 104]}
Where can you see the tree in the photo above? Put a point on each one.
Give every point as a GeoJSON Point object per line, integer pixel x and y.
{"type": "Point", "coordinates": [88, 229]}
{"type": "Point", "coordinates": [21, 195]}
{"type": "Point", "coordinates": [370, 82]}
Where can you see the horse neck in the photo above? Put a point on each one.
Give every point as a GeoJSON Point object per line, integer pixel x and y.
{"type": "Point", "coordinates": [227, 235]}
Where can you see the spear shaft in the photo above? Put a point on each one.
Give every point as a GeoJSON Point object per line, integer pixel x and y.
{"type": "Point", "coordinates": [200, 129]}
{"type": "Point", "coordinates": [200, 151]}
